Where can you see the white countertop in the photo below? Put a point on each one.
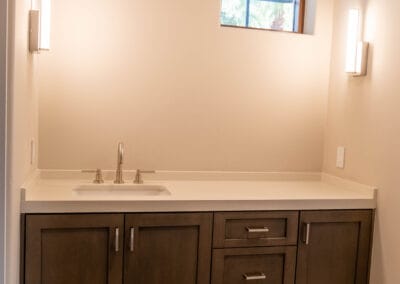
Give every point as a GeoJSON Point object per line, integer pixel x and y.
{"type": "Point", "coordinates": [52, 192]}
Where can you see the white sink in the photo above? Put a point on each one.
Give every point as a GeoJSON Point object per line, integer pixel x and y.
{"type": "Point", "coordinates": [121, 190]}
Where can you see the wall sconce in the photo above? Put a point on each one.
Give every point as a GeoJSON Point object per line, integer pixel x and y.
{"type": "Point", "coordinates": [357, 51]}
{"type": "Point", "coordinates": [39, 22]}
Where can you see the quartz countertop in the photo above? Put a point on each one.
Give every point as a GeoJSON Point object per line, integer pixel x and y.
{"type": "Point", "coordinates": [53, 192]}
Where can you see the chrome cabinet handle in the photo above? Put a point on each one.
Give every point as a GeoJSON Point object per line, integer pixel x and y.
{"type": "Point", "coordinates": [257, 230]}
{"type": "Point", "coordinates": [254, 276]}
{"type": "Point", "coordinates": [116, 239]}
{"type": "Point", "coordinates": [308, 229]}
{"type": "Point", "coordinates": [132, 240]}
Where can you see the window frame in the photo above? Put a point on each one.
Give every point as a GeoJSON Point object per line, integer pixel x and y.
{"type": "Point", "coordinates": [300, 15]}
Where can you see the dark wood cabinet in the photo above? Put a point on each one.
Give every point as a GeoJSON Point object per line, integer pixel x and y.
{"type": "Point", "coordinates": [255, 229]}
{"type": "Point", "coordinates": [272, 265]}
{"type": "Point", "coordinates": [89, 248]}
{"type": "Point", "coordinates": [79, 249]}
{"type": "Point", "coordinates": [168, 248]}
{"type": "Point", "coordinates": [255, 247]}
{"type": "Point", "coordinates": [334, 247]}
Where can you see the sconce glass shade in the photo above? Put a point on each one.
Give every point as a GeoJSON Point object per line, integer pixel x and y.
{"type": "Point", "coordinates": [45, 22]}
{"type": "Point", "coordinates": [357, 51]}
{"type": "Point", "coordinates": [352, 40]}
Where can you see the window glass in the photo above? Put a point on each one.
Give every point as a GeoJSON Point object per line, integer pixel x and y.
{"type": "Point", "coordinates": [233, 12]}
{"type": "Point", "coordinates": [283, 15]}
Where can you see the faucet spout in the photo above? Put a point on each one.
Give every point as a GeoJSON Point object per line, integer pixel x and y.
{"type": "Point", "coordinates": [120, 160]}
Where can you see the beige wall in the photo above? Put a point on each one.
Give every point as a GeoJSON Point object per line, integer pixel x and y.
{"type": "Point", "coordinates": [22, 122]}
{"type": "Point", "coordinates": [3, 127]}
{"type": "Point", "coordinates": [197, 96]}
{"type": "Point", "coordinates": [179, 90]}
{"type": "Point", "coordinates": [364, 116]}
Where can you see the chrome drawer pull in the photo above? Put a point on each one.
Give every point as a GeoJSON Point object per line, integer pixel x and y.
{"type": "Point", "coordinates": [132, 240]}
{"type": "Point", "coordinates": [308, 228]}
{"type": "Point", "coordinates": [116, 239]}
{"type": "Point", "coordinates": [254, 276]}
{"type": "Point", "coordinates": [257, 230]}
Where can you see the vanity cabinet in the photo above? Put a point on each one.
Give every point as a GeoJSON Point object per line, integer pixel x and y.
{"type": "Point", "coordinates": [277, 247]}
{"type": "Point", "coordinates": [255, 229]}
{"type": "Point", "coordinates": [90, 248]}
{"type": "Point", "coordinates": [79, 249]}
{"type": "Point", "coordinates": [168, 248]}
{"type": "Point", "coordinates": [334, 247]}
{"type": "Point", "coordinates": [256, 247]}
{"type": "Point", "coordinates": [272, 265]}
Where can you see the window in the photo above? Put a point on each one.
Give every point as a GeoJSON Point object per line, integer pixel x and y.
{"type": "Point", "coordinates": [281, 15]}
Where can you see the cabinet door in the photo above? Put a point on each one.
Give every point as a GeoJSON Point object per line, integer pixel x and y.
{"type": "Point", "coordinates": [272, 265]}
{"type": "Point", "coordinates": [168, 248]}
{"type": "Point", "coordinates": [334, 247]}
{"type": "Point", "coordinates": [79, 249]}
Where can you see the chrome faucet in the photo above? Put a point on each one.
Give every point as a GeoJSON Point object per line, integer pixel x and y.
{"type": "Point", "coordinates": [120, 160]}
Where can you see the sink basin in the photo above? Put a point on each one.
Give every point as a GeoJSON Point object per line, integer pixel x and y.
{"type": "Point", "coordinates": [121, 190]}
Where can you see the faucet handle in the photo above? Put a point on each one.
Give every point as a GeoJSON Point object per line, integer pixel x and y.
{"type": "Point", "coordinates": [138, 175]}
{"type": "Point", "coordinates": [99, 175]}
{"type": "Point", "coordinates": [120, 153]}
{"type": "Point", "coordinates": [147, 172]}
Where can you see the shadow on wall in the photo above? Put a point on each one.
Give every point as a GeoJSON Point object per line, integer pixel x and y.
{"type": "Point", "coordinates": [377, 257]}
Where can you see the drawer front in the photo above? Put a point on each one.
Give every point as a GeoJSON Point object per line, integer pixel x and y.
{"type": "Point", "coordinates": [271, 265]}
{"type": "Point", "coordinates": [252, 229]}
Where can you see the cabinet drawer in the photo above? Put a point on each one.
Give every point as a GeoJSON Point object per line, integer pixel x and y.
{"type": "Point", "coordinates": [271, 265]}
{"type": "Point", "coordinates": [252, 229]}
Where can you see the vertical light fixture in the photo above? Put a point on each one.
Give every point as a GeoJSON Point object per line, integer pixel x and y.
{"type": "Point", "coordinates": [357, 51]}
{"type": "Point", "coordinates": [40, 22]}
{"type": "Point", "coordinates": [45, 22]}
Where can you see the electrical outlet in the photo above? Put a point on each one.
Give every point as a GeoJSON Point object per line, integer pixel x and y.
{"type": "Point", "coordinates": [340, 157]}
